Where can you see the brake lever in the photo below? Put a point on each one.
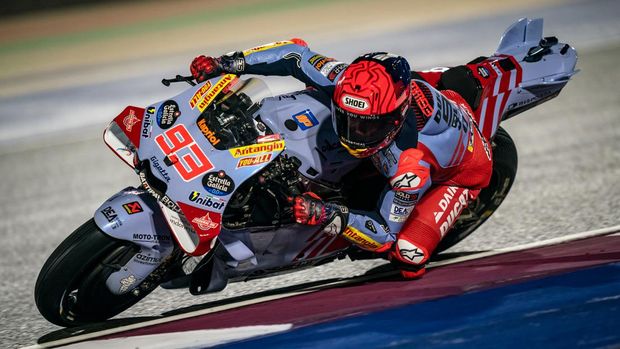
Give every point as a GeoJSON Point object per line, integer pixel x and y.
{"type": "Point", "coordinates": [179, 78]}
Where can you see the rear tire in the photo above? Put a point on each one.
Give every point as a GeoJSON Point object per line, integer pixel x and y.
{"type": "Point", "coordinates": [71, 290]}
{"type": "Point", "coordinates": [504, 173]}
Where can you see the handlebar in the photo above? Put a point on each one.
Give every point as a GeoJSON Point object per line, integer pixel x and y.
{"type": "Point", "coordinates": [179, 78]}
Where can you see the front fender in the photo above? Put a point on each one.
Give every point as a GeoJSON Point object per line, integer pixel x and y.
{"type": "Point", "coordinates": [133, 215]}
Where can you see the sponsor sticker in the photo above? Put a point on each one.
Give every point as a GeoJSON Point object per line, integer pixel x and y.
{"type": "Point", "coordinates": [266, 47]}
{"type": "Point", "coordinates": [133, 207]}
{"type": "Point", "coordinates": [164, 199]}
{"type": "Point", "coordinates": [483, 72]}
{"type": "Point", "coordinates": [354, 102]}
{"type": "Point", "coordinates": [305, 119]}
{"type": "Point", "coordinates": [405, 181]}
{"type": "Point", "coordinates": [206, 200]}
{"type": "Point", "coordinates": [199, 94]}
{"type": "Point", "coordinates": [405, 199]}
{"type": "Point", "coordinates": [130, 120]}
{"type": "Point", "coordinates": [150, 237]}
{"type": "Point", "coordinates": [147, 124]}
{"type": "Point", "coordinates": [370, 226]}
{"type": "Point", "coordinates": [331, 76]}
{"type": "Point", "coordinates": [360, 239]}
{"type": "Point", "coordinates": [256, 149]}
{"type": "Point", "coordinates": [111, 216]}
{"type": "Point", "coordinates": [109, 213]}
{"type": "Point", "coordinates": [398, 210]}
{"type": "Point", "coordinates": [207, 132]}
{"type": "Point", "coordinates": [315, 58]}
{"type": "Point", "coordinates": [410, 251]}
{"type": "Point", "coordinates": [254, 160]}
{"type": "Point", "coordinates": [205, 222]}
{"type": "Point", "coordinates": [127, 282]}
{"type": "Point", "coordinates": [218, 183]}
{"type": "Point", "coordinates": [147, 259]}
{"type": "Point", "coordinates": [420, 99]}
{"type": "Point", "coordinates": [155, 164]}
{"type": "Point", "coordinates": [167, 114]}
{"type": "Point", "coordinates": [328, 66]}
{"type": "Point", "coordinates": [397, 219]}
{"type": "Point", "coordinates": [318, 61]}
{"type": "Point", "coordinates": [214, 91]}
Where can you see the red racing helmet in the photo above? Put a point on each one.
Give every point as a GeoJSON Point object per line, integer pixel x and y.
{"type": "Point", "coordinates": [371, 101]}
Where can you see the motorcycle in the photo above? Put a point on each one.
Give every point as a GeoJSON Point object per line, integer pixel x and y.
{"type": "Point", "coordinates": [219, 163]}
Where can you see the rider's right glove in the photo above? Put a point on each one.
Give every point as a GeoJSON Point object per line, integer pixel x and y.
{"type": "Point", "coordinates": [309, 209]}
{"type": "Point", "coordinates": [204, 67]}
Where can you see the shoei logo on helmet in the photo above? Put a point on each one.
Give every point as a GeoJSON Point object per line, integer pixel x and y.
{"type": "Point", "coordinates": [354, 103]}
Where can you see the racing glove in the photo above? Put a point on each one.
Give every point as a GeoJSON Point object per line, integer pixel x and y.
{"type": "Point", "coordinates": [308, 208]}
{"type": "Point", "coordinates": [204, 67]}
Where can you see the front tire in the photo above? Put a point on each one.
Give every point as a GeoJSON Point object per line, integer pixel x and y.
{"type": "Point", "coordinates": [505, 162]}
{"type": "Point", "coordinates": [71, 290]}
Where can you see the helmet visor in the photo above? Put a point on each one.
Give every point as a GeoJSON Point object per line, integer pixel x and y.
{"type": "Point", "coordinates": [365, 131]}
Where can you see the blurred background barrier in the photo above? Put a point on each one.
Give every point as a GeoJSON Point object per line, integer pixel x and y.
{"type": "Point", "coordinates": [13, 8]}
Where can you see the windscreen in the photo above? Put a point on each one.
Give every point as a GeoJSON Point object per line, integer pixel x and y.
{"type": "Point", "coordinates": [228, 123]}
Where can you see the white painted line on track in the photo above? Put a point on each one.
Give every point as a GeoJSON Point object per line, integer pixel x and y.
{"type": "Point", "coordinates": [79, 338]}
{"type": "Point", "coordinates": [613, 231]}
{"type": "Point", "coordinates": [185, 339]}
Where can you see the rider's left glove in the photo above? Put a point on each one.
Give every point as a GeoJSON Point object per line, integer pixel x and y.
{"type": "Point", "coordinates": [308, 208]}
{"type": "Point", "coordinates": [204, 67]}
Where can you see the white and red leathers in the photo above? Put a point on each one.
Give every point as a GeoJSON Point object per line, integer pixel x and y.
{"type": "Point", "coordinates": [435, 166]}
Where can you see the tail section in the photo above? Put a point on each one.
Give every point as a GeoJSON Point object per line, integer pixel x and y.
{"type": "Point", "coordinates": [525, 71]}
{"type": "Point", "coordinates": [546, 64]}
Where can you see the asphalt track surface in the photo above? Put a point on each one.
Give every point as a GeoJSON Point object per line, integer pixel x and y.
{"type": "Point", "coordinates": [569, 155]}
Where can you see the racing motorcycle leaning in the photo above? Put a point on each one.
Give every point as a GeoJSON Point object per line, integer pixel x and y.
{"type": "Point", "coordinates": [219, 163]}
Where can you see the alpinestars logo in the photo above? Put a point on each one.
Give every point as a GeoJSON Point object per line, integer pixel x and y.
{"type": "Point", "coordinates": [410, 251]}
{"type": "Point", "coordinates": [406, 180]}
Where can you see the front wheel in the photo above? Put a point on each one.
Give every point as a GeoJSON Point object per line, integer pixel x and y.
{"type": "Point", "coordinates": [71, 290]}
{"type": "Point", "coordinates": [489, 199]}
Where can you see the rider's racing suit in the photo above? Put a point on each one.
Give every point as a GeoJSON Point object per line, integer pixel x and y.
{"type": "Point", "coordinates": [436, 165]}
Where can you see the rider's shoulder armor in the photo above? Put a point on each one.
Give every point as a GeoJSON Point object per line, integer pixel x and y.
{"type": "Point", "coordinates": [445, 131]}
{"type": "Point", "coordinates": [402, 162]}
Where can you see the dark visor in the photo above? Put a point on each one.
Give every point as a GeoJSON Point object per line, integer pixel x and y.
{"type": "Point", "coordinates": [364, 131]}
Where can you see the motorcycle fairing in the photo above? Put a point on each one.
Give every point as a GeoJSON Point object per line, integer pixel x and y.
{"type": "Point", "coordinates": [122, 136]}
{"type": "Point", "coordinates": [192, 172]}
{"type": "Point", "coordinates": [305, 121]}
{"type": "Point", "coordinates": [133, 215]}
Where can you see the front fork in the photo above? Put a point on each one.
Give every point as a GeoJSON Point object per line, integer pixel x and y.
{"type": "Point", "coordinates": [133, 215]}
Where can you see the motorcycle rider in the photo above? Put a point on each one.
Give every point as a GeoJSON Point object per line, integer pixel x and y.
{"type": "Point", "coordinates": [424, 141]}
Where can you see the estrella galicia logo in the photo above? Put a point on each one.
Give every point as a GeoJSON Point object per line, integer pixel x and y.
{"type": "Point", "coordinates": [218, 183]}
{"type": "Point", "coordinates": [167, 114]}
{"type": "Point", "coordinates": [305, 119]}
